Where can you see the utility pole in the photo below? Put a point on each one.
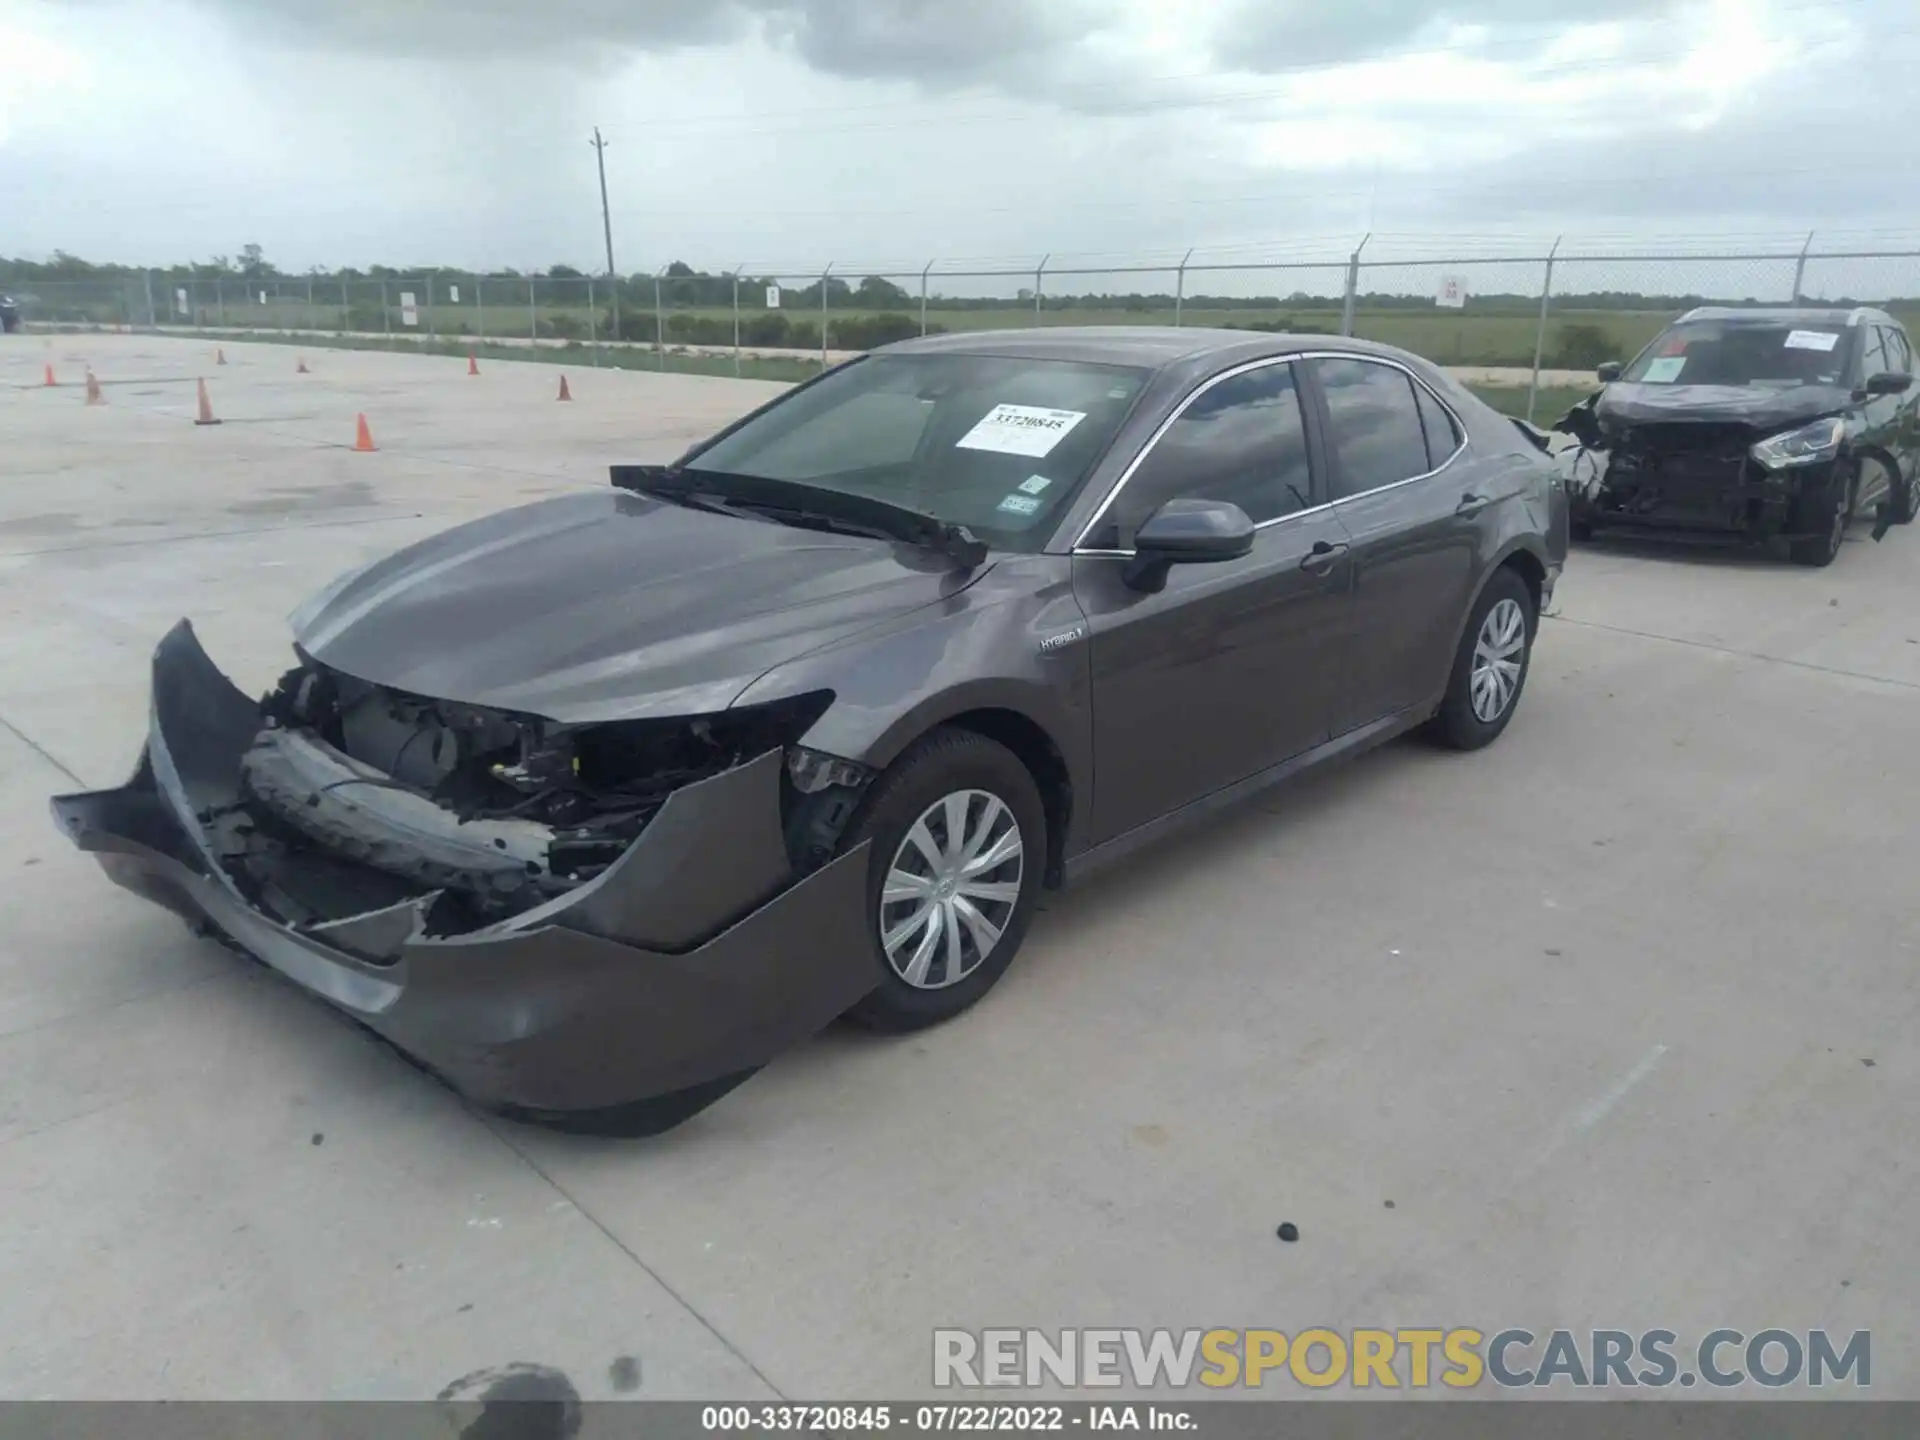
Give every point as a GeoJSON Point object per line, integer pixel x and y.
{"type": "Point", "coordinates": [606, 221]}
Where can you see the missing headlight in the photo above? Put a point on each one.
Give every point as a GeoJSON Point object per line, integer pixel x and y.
{"type": "Point", "coordinates": [813, 772]}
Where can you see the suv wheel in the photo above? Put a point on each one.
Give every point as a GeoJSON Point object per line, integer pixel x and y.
{"type": "Point", "coordinates": [1490, 669]}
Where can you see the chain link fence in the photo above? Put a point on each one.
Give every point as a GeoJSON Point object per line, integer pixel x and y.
{"type": "Point", "coordinates": [1542, 322]}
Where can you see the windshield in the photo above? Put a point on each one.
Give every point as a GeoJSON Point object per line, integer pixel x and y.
{"type": "Point", "coordinates": [986, 441]}
{"type": "Point", "coordinates": [1767, 353]}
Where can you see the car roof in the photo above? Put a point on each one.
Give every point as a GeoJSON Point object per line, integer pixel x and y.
{"type": "Point", "coordinates": [1843, 315]}
{"type": "Point", "coordinates": [1144, 346]}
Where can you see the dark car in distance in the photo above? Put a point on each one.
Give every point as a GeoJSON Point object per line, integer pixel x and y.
{"type": "Point", "coordinates": [9, 315]}
{"type": "Point", "coordinates": [595, 805]}
{"type": "Point", "coordinates": [1759, 424]}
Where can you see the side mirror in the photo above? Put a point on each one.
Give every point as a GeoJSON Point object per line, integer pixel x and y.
{"type": "Point", "coordinates": [1608, 373]}
{"type": "Point", "coordinates": [1186, 532]}
{"type": "Point", "coordinates": [1887, 382]}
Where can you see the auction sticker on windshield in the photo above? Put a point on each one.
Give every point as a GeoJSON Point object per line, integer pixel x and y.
{"type": "Point", "coordinates": [1021, 430]}
{"type": "Point", "coordinates": [1811, 340]}
{"type": "Point", "coordinates": [1665, 370]}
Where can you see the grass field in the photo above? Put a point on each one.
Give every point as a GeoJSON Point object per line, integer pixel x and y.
{"type": "Point", "coordinates": [1492, 337]}
{"type": "Point", "coordinates": [1552, 401]}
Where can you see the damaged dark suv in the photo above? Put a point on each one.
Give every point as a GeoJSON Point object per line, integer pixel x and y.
{"type": "Point", "coordinates": [1756, 424]}
{"type": "Point", "coordinates": [595, 805]}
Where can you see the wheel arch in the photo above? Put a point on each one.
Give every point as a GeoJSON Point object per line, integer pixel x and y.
{"type": "Point", "coordinates": [1525, 561]}
{"type": "Point", "coordinates": [1036, 749]}
{"type": "Point", "coordinates": [1882, 457]}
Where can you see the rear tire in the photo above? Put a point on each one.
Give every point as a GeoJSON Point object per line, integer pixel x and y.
{"type": "Point", "coordinates": [956, 914]}
{"type": "Point", "coordinates": [1490, 667]}
{"type": "Point", "coordinates": [1825, 518]}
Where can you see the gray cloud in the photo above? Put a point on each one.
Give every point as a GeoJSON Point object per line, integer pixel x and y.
{"type": "Point", "coordinates": [467, 28]}
{"type": "Point", "coordinates": [1283, 34]}
{"type": "Point", "coordinates": [934, 42]}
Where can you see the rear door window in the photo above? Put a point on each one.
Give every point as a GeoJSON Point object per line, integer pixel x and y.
{"type": "Point", "coordinates": [1376, 433]}
{"type": "Point", "coordinates": [1443, 436]}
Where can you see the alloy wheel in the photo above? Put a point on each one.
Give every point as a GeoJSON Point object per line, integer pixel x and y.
{"type": "Point", "coordinates": [951, 889]}
{"type": "Point", "coordinates": [1498, 654]}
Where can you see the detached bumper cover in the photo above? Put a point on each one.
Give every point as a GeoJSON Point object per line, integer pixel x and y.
{"type": "Point", "coordinates": [640, 997]}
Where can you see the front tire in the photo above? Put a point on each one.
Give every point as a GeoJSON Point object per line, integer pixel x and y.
{"type": "Point", "coordinates": [1490, 668]}
{"type": "Point", "coordinates": [1905, 498]}
{"type": "Point", "coordinates": [959, 845]}
{"type": "Point", "coordinates": [1825, 517]}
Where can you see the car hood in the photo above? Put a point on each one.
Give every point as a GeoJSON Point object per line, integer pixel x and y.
{"type": "Point", "coordinates": [1764, 410]}
{"type": "Point", "coordinates": [610, 605]}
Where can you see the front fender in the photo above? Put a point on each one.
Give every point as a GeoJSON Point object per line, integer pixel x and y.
{"type": "Point", "coordinates": [1015, 642]}
{"type": "Point", "coordinates": [1891, 512]}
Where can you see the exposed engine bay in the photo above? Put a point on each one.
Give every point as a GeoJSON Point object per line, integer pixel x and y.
{"type": "Point", "coordinates": [355, 796]}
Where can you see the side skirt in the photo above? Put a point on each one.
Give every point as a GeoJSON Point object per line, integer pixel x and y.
{"type": "Point", "coordinates": [1344, 747]}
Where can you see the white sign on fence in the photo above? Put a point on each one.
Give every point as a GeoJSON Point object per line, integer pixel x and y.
{"type": "Point", "coordinates": [180, 301]}
{"type": "Point", "coordinates": [453, 294]}
{"type": "Point", "coordinates": [773, 297]}
{"type": "Point", "coordinates": [409, 312]}
{"type": "Point", "coordinates": [263, 297]}
{"type": "Point", "coordinates": [1453, 293]}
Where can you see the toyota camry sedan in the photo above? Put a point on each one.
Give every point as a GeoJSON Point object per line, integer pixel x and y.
{"type": "Point", "coordinates": [594, 806]}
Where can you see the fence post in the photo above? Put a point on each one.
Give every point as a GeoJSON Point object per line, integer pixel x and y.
{"type": "Point", "coordinates": [533, 313]}
{"type": "Point", "coordinates": [153, 320]}
{"type": "Point", "coordinates": [1180, 287]}
{"type": "Point", "coordinates": [1353, 286]}
{"type": "Point", "coordinates": [593, 323]}
{"type": "Point", "coordinates": [220, 301]}
{"type": "Point", "coordinates": [825, 275]}
{"type": "Point", "coordinates": [659, 320]}
{"type": "Point", "coordinates": [1540, 335]}
{"type": "Point", "coordinates": [736, 321]}
{"type": "Point", "coordinates": [1800, 268]}
{"type": "Point", "coordinates": [433, 332]}
{"type": "Point", "coordinates": [1039, 274]}
{"type": "Point", "coordinates": [479, 309]}
{"type": "Point", "coordinates": [925, 271]}
{"type": "Point", "coordinates": [386, 313]}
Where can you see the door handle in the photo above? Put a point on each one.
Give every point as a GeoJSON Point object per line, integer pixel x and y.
{"type": "Point", "coordinates": [1323, 557]}
{"type": "Point", "coordinates": [1471, 504]}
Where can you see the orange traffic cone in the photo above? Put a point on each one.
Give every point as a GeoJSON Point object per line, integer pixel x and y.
{"type": "Point", "coordinates": [50, 380]}
{"type": "Point", "coordinates": [363, 437]}
{"type": "Point", "coordinates": [565, 394]}
{"type": "Point", "coordinates": [301, 368]}
{"type": "Point", "coordinates": [219, 357]}
{"type": "Point", "coordinates": [473, 363]}
{"type": "Point", "coordinates": [206, 408]}
{"type": "Point", "coordinates": [94, 397]}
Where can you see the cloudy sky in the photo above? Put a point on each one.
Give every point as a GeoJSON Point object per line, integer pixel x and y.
{"type": "Point", "coordinates": [881, 133]}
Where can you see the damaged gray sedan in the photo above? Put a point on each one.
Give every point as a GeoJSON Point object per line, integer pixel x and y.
{"type": "Point", "coordinates": [594, 806]}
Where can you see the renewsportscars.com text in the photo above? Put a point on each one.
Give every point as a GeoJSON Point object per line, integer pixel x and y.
{"type": "Point", "coordinates": [1413, 1359]}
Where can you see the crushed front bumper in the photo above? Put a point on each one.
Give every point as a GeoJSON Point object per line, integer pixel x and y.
{"type": "Point", "coordinates": [625, 1005]}
{"type": "Point", "coordinates": [1736, 501]}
